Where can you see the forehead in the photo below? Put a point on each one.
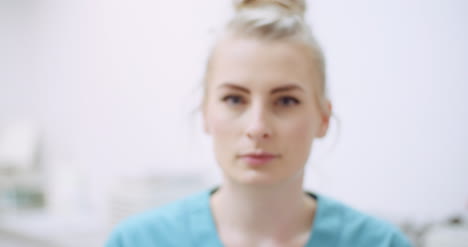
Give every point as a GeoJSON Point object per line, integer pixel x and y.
{"type": "Point", "coordinates": [261, 63]}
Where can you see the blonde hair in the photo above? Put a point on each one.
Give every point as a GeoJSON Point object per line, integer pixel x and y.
{"type": "Point", "coordinates": [277, 20]}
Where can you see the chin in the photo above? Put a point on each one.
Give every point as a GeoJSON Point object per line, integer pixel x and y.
{"type": "Point", "coordinates": [257, 178]}
{"type": "Point", "coordinates": [271, 175]}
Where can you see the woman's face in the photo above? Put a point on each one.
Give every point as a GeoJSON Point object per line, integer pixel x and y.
{"type": "Point", "coordinates": [261, 109]}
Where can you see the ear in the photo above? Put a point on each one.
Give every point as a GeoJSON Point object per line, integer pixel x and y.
{"type": "Point", "coordinates": [325, 120]}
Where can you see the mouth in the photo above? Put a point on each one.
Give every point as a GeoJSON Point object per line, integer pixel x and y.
{"type": "Point", "coordinates": [258, 159]}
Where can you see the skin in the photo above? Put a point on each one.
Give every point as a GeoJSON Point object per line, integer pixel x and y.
{"type": "Point", "coordinates": [261, 96]}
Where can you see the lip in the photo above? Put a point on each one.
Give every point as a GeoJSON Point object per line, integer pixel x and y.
{"type": "Point", "coordinates": [258, 158]}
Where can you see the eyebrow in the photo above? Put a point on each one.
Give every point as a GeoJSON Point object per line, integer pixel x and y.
{"type": "Point", "coordinates": [288, 87]}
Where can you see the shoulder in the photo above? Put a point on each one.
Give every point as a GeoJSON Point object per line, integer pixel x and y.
{"type": "Point", "coordinates": [359, 228]}
{"type": "Point", "coordinates": [165, 226]}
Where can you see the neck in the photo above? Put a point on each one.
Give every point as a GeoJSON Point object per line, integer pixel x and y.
{"type": "Point", "coordinates": [281, 210]}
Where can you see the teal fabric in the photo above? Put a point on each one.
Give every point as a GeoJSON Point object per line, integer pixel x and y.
{"type": "Point", "coordinates": [189, 222]}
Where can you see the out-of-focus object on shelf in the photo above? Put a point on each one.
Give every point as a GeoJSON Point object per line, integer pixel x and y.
{"type": "Point", "coordinates": [66, 189]}
{"type": "Point", "coordinates": [19, 143]}
{"type": "Point", "coordinates": [21, 179]}
{"type": "Point", "coordinates": [453, 233]}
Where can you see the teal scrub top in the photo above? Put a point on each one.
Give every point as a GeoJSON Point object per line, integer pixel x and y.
{"type": "Point", "coordinates": [190, 222]}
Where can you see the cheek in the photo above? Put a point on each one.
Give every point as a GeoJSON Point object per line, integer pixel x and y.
{"type": "Point", "coordinates": [299, 134]}
{"type": "Point", "coordinates": [223, 131]}
{"type": "Point", "coordinates": [219, 121]}
{"type": "Point", "coordinates": [222, 125]}
{"type": "Point", "coordinates": [302, 128]}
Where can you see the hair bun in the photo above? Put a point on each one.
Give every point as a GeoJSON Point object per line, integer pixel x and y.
{"type": "Point", "coordinates": [293, 6]}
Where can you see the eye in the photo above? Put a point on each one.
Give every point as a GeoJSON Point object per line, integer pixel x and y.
{"type": "Point", "coordinates": [233, 99]}
{"type": "Point", "coordinates": [287, 101]}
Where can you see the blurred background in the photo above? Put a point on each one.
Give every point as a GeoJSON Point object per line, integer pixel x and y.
{"type": "Point", "coordinates": [96, 123]}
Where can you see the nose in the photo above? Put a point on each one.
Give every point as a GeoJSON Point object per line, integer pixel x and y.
{"type": "Point", "coordinates": [258, 128]}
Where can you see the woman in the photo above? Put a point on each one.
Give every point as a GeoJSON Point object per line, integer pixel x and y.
{"type": "Point", "coordinates": [265, 103]}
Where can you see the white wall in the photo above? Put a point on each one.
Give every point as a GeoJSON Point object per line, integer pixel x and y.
{"type": "Point", "coordinates": [111, 84]}
{"type": "Point", "coordinates": [398, 78]}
